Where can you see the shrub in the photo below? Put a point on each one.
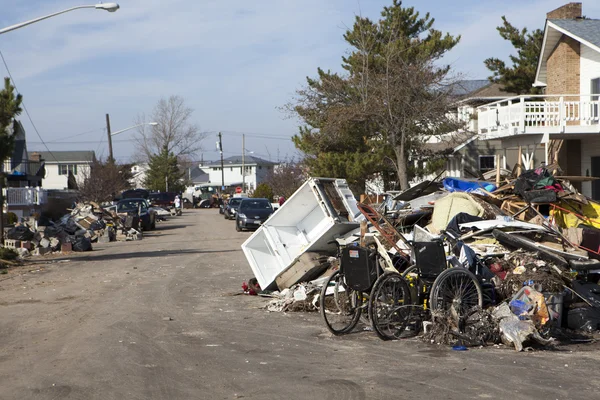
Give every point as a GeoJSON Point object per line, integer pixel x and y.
{"type": "Point", "coordinates": [263, 190]}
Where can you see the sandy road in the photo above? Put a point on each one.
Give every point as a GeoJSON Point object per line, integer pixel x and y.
{"type": "Point", "coordinates": [155, 319]}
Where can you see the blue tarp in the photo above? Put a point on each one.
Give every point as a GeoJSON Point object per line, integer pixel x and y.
{"type": "Point", "coordinates": [461, 185]}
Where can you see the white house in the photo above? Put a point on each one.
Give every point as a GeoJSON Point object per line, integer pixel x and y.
{"type": "Point", "coordinates": [565, 121]}
{"type": "Point", "coordinates": [60, 164]}
{"type": "Point", "coordinates": [24, 172]}
{"type": "Point", "coordinates": [139, 175]}
{"type": "Point", "coordinates": [256, 171]}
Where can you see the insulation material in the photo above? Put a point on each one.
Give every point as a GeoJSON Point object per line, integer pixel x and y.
{"type": "Point", "coordinates": [447, 207]}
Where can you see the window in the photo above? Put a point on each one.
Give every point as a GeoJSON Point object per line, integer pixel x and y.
{"type": "Point", "coordinates": [595, 90]}
{"type": "Point", "coordinates": [487, 163]}
{"type": "Point", "coordinates": [64, 169]}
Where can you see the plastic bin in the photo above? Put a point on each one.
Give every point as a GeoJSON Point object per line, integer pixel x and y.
{"type": "Point", "coordinates": [318, 212]}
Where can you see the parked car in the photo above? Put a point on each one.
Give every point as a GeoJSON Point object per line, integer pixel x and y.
{"type": "Point", "coordinates": [252, 213]}
{"type": "Point", "coordinates": [134, 206]}
{"type": "Point", "coordinates": [165, 200]}
{"type": "Point", "coordinates": [134, 194]}
{"type": "Point", "coordinates": [231, 208]}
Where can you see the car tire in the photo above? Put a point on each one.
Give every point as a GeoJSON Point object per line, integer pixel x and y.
{"type": "Point", "coordinates": [237, 226]}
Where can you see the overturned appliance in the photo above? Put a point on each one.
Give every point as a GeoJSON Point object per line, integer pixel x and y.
{"type": "Point", "coordinates": [318, 212]}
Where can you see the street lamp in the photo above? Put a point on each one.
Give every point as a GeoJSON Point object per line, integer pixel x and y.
{"type": "Point", "coordinates": [111, 134]}
{"type": "Point", "coordinates": [132, 127]}
{"type": "Point", "coordinates": [110, 7]}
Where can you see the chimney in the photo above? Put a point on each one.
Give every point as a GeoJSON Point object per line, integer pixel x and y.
{"type": "Point", "coordinates": [568, 11]}
{"type": "Point", "coordinates": [35, 156]}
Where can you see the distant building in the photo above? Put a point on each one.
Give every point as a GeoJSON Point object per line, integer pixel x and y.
{"type": "Point", "coordinates": [62, 164]}
{"type": "Point", "coordinates": [256, 171]}
{"type": "Point", "coordinates": [139, 172]}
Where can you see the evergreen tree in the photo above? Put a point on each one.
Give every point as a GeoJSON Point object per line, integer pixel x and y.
{"type": "Point", "coordinates": [10, 107]}
{"type": "Point", "coordinates": [393, 97]}
{"type": "Point", "coordinates": [520, 77]}
{"type": "Point", "coordinates": [164, 173]}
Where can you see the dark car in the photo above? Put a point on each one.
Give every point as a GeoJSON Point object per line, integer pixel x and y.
{"type": "Point", "coordinates": [134, 194]}
{"type": "Point", "coordinates": [232, 207]}
{"type": "Point", "coordinates": [141, 206]}
{"type": "Point", "coordinates": [165, 200]}
{"type": "Point", "coordinates": [252, 213]}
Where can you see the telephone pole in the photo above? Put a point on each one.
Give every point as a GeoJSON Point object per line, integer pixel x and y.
{"type": "Point", "coordinates": [243, 163]}
{"type": "Point", "coordinates": [222, 169]}
{"type": "Point", "coordinates": [110, 151]}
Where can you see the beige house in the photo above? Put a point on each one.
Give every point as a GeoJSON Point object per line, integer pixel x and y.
{"type": "Point", "coordinates": [564, 121]}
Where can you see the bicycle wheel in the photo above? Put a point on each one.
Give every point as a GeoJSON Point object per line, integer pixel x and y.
{"type": "Point", "coordinates": [340, 305]}
{"type": "Point", "coordinates": [457, 291]}
{"type": "Point", "coordinates": [390, 306]}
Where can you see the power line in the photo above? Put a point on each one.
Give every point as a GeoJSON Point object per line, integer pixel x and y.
{"type": "Point", "coordinates": [25, 107]}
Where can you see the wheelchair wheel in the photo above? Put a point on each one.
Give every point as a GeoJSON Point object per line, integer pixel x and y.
{"type": "Point", "coordinates": [457, 291]}
{"type": "Point", "coordinates": [340, 305]}
{"type": "Point", "coordinates": [390, 306]}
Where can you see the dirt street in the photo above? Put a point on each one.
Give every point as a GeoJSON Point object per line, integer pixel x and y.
{"type": "Point", "coordinates": [158, 319]}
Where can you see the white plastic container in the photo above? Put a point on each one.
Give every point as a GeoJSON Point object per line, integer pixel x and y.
{"type": "Point", "coordinates": [318, 212]}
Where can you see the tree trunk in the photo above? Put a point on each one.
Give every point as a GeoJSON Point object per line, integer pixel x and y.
{"type": "Point", "coordinates": [401, 164]}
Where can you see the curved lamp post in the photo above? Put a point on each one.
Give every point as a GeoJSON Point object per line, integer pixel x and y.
{"type": "Point", "coordinates": [111, 134]}
{"type": "Point", "coordinates": [110, 7]}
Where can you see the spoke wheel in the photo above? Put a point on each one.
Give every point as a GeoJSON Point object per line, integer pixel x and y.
{"type": "Point", "coordinates": [390, 306]}
{"type": "Point", "coordinates": [456, 291]}
{"type": "Point", "coordinates": [340, 305]}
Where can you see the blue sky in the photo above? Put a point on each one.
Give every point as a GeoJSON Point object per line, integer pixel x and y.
{"type": "Point", "coordinates": [235, 62]}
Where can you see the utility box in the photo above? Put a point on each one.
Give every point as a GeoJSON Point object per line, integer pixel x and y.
{"type": "Point", "coordinates": [321, 210]}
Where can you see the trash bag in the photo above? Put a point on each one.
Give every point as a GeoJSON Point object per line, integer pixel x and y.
{"type": "Point", "coordinates": [53, 231]}
{"type": "Point", "coordinates": [534, 179]}
{"type": "Point", "coordinates": [81, 243]}
{"type": "Point", "coordinates": [20, 233]}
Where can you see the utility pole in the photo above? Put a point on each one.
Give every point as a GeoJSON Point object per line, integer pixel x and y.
{"type": "Point", "coordinates": [243, 163]}
{"type": "Point", "coordinates": [222, 169]}
{"type": "Point", "coordinates": [166, 183]}
{"type": "Point", "coordinates": [110, 151]}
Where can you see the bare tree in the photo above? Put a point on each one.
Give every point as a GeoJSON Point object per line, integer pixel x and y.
{"type": "Point", "coordinates": [104, 180]}
{"type": "Point", "coordinates": [175, 131]}
{"type": "Point", "coordinates": [286, 178]}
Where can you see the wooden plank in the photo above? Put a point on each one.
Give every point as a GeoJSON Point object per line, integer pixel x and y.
{"type": "Point", "coordinates": [578, 178]}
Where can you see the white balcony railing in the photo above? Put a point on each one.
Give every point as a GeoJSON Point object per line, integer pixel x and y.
{"type": "Point", "coordinates": [540, 114]}
{"type": "Point", "coordinates": [24, 196]}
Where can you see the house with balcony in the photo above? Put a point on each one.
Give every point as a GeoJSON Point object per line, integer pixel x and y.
{"type": "Point", "coordinates": [468, 154]}
{"type": "Point", "coordinates": [565, 121]}
{"type": "Point", "coordinates": [24, 172]}
{"type": "Point", "coordinates": [66, 169]}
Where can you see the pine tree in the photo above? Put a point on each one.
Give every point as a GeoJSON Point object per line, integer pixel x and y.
{"type": "Point", "coordinates": [10, 107]}
{"type": "Point", "coordinates": [520, 77]}
{"type": "Point", "coordinates": [394, 96]}
{"type": "Point", "coordinates": [164, 173]}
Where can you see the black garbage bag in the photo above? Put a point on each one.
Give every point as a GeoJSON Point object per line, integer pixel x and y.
{"type": "Point", "coordinates": [53, 231]}
{"type": "Point", "coordinates": [533, 179]}
{"type": "Point", "coordinates": [81, 243]}
{"type": "Point", "coordinates": [20, 233]}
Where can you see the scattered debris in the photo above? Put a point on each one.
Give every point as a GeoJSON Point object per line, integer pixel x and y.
{"type": "Point", "coordinates": [530, 241]}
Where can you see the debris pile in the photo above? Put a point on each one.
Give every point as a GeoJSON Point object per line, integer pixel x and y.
{"type": "Point", "coordinates": [527, 247]}
{"type": "Point", "coordinates": [87, 223]}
